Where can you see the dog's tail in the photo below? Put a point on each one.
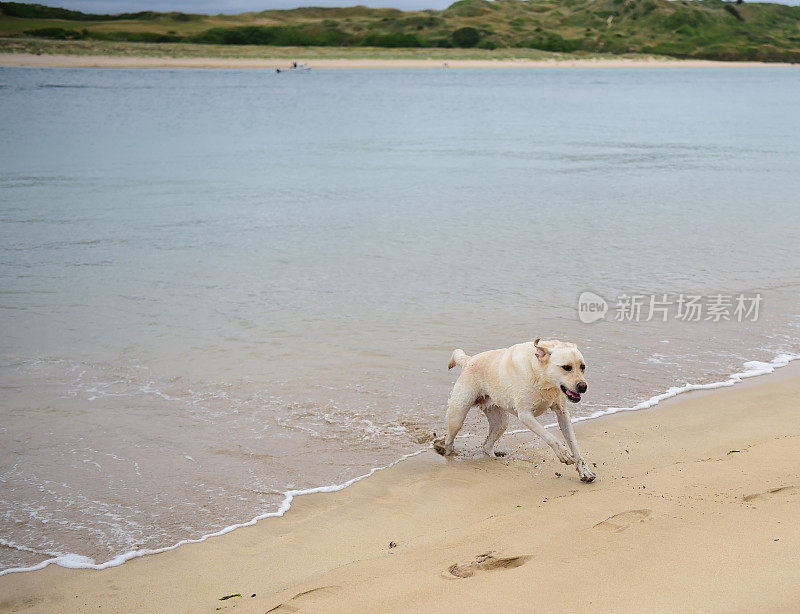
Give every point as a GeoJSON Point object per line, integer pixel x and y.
{"type": "Point", "coordinates": [458, 357]}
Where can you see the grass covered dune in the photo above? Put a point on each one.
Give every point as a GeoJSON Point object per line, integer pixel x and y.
{"type": "Point", "coordinates": [703, 29]}
{"type": "Point", "coordinates": [696, 508]}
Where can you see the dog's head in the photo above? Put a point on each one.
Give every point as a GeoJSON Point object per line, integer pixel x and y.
{"type": "Point", "coordinates": [564, 366]}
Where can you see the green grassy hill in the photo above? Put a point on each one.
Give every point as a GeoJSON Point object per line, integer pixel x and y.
{"type": "Point", "coordinates": [707, 29]}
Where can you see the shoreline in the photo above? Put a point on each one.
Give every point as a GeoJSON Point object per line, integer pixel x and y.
{"type": "Point", "coordinates": [752, 369]}
{"type": "Point", "coordinates": [718, 515]}
{"type": "Point", "coordinates": [31, 60]}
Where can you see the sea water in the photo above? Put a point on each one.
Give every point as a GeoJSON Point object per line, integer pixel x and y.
{"type": "Point", "coordinates": [217, 287]}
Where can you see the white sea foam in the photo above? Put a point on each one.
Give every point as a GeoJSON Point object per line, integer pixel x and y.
{"type": "Point", "coordinates": [77, 561]}
{"type": "Point", "coordinates": [752, 368]}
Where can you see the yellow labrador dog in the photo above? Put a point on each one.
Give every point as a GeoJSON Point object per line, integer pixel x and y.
{"type": "Point", "coordinates": [526, 380]}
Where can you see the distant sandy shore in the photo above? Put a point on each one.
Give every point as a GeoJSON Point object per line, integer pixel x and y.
{"type": "Point", "coordinates": [696, 508]}
{"type": "Point", "coordinates": [111, 61]}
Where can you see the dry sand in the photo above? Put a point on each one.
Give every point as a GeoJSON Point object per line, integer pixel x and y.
{"type": "Point", "coordinates": [696, 508]}
{"type": "Point", "coordinates": [110, 61]}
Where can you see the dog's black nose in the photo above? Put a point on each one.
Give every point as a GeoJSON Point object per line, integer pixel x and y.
{"type": "Point", "coordinates": [581, 387]}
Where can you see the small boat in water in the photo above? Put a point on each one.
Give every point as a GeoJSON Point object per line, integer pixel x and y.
{"type": "Point", "coordinates": [295, 67]}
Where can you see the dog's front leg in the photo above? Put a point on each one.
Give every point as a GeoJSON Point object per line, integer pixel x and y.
{"type": "Point", "coordinates": [528, 419]}
{"type": "Point", "coordinates": [565, 423]}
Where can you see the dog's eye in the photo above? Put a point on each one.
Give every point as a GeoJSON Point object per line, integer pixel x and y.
{"type": "Point", "coordinates": [566, 367]}
{"type": "Point", "coordinates": [583, 367]}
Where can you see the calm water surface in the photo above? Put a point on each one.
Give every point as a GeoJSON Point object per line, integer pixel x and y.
{"type": "Point", "coordinates": [217, 285]}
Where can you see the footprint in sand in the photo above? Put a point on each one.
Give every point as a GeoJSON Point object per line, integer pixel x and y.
{"type": "Point", "coordinates": [22, 604]}
{"type": "Point", "coordinates": [294, 604]}
{"type": "Point", "coordinates": [620, 522]}
{"type": "Point", "coordinates": [781, 490]}
{"type": "Point", "coordinates": [484, 562]}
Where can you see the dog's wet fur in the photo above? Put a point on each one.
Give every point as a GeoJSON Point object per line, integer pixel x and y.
{"type": "Point", "coordinates": [525, 380]}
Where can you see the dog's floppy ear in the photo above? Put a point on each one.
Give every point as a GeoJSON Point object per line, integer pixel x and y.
{"type": "Point", "coordinates": [541, 353]}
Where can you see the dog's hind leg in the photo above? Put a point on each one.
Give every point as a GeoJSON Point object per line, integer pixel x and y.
{"type": "Point", "coordinates": [462, 398]}
{"type": "Point", "coordinates": [498, 423]}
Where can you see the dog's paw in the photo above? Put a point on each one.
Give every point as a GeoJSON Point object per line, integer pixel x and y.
{"type": "Point", "coordinates": [441, 448]}
{"type": "Point", "coordinates": [563, 453]}
{"type": "Point", "coordinates": [587, 475]}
